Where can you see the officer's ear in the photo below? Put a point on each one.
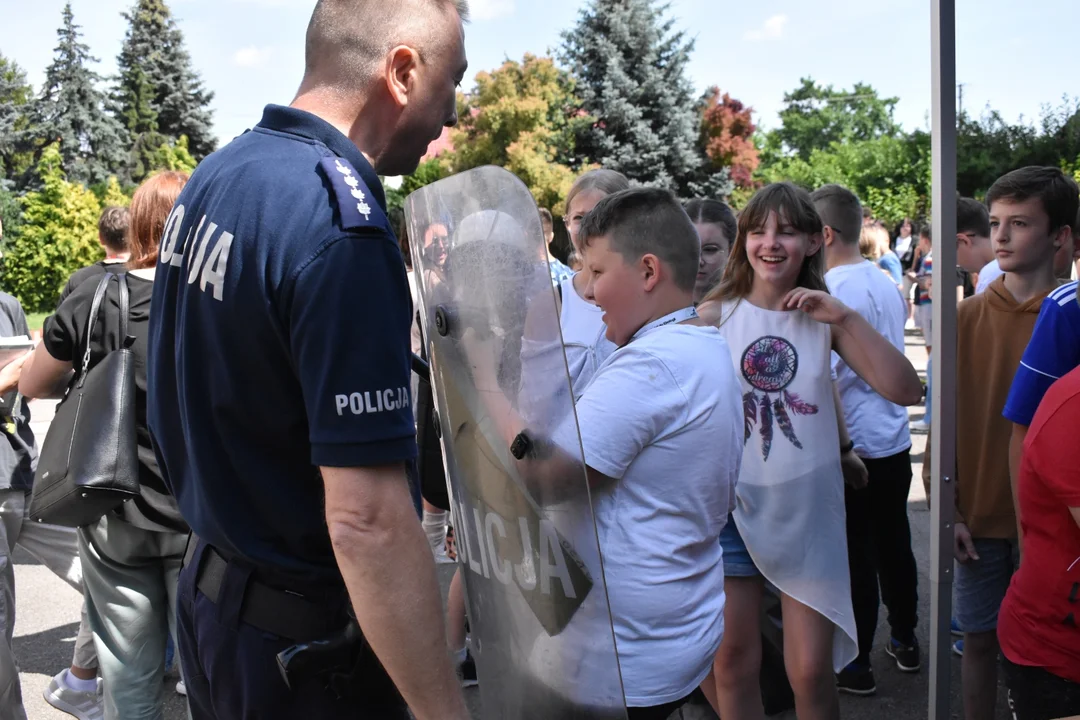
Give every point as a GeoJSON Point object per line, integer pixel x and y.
{"type": "Point", "coordinates": [402, 67]}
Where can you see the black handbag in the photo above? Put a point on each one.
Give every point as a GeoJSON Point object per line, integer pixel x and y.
{"type": "Point", "coordinates": [89, 463]}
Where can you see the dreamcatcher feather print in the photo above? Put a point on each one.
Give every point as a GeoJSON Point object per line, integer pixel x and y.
{"type": "Point", "coordinates": [769, 364]}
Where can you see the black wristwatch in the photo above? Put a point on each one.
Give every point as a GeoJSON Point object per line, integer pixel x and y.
{"type": "Point", "coordinates": [526, 446]}
{"type": "Point", "coordinates": [845, 449]}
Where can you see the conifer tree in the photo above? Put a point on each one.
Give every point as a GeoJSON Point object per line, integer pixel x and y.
{"type": "Point", "coordinates": [71, 110]}
{"type": "Point", "coordinates": [15, 96]}
{"type": "Point", "coordinates": [631, 71]}
{"type": "Point", "coordinates": [156, 80]}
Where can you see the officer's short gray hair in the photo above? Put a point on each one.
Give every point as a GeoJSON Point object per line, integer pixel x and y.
{"type": "Point", "coordinates": [346, 39]}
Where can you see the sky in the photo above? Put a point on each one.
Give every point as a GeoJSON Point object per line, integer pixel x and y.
{"type": "Point", "coordinates": [250, 52]}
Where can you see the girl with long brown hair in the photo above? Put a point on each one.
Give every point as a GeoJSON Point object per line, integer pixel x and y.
{"type": "Point", "coordinates": [773, 308]}
{"type": "Point", "coordinates": [131, 557]}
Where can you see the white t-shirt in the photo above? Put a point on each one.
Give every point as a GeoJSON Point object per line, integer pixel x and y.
{"type": "Point", "coordinates": [990, 272]}
{"type": "Point", "coordinates": [663, 418]}
{"type": "Point", "coordinates": [584, 337]}
{"type": "Point", "coordinates": [902, 245]}
{"type": "Point", "coordinates": [878, 427]}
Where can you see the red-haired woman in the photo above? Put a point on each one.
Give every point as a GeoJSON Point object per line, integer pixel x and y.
{"type": "Point", "coordinates": [131, 557]}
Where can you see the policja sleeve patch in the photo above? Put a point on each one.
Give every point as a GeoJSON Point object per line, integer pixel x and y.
{"type": "Point", "coordinates": [356, 205]}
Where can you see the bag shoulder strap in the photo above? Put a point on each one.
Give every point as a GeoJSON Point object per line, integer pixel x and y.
{"type": "Point", "coordinates": [125, 302]}
{"type": "Point", "coordinates": [95, 308]}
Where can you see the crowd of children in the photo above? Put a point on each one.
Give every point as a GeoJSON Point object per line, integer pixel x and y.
{"type": "Point", "coordinates": [739, 385]}
{"type": "Point", "coordinates": [780, 312]}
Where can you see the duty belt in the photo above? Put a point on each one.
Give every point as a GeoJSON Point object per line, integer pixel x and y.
{"type": "Point", "coordinates": [279, 612]}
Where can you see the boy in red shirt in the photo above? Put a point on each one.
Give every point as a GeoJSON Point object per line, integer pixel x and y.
{"type": "Point", "coordinates": [1039, 621]}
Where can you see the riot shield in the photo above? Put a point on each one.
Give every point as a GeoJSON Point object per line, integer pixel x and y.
{"type": "Point", "coordinates": [527, 543]}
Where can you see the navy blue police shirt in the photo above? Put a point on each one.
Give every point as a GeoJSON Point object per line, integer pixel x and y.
{"type": "Point", "coordinates": [279, 341]}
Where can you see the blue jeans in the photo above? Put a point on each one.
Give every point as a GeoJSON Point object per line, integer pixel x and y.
{"type": "Point", "coordinates": [981, 584]}
{"type": "Point", "coordinates": [737, 560]}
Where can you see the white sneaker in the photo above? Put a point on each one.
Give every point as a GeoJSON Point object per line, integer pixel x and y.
{"type": "Point", "coordinates": [920, 426]}
{"type": "Point", "coordinates": [83, 705]}
{"type": "Point", "coordinates": [441, 558]}
{"type": "Point", "coordinates": [181, 688]}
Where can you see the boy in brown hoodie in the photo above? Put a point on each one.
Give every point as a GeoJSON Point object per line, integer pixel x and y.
{"type": "Point", "coordinates": [1031, 211]}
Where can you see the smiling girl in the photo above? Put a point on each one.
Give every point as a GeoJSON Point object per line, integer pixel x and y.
{"type": "Point", "coordinates": [774, 310]}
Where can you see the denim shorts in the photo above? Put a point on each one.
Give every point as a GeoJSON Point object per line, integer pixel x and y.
{"type": "Point", "coordinates": [737, 561]}
{"type": "Point", "coordinates": [981, 584]}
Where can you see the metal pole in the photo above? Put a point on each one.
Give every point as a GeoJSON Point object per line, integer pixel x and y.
{"type": "Point", "coordinates": [943, 426]}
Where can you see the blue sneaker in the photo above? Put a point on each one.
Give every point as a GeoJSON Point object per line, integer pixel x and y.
{"type": "Point", "coordinates": [958, 648]}
{"type": "Point", "coordinates": [955, 629]}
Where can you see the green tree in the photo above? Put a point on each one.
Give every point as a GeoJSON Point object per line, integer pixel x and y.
{"type": "Point", "coordinates": [988, 146]}
{"type": "Point", "coordinates": [57, 237]}
{"type": "Point", "coordinates": [10, 218]}
{"type": "Point", "coordinates": [631, 68]}
{"type": "Point", "coordinates": [114, 195]}
{"type": "Point", "coordinates": [71, 110]}
{"type": "Point", "coordinates": [15, 96]}
{"type": "Point", "coordinates": [175, 156]}
{"type": "Point", "coordinates": [891, 175]}
{"type": "Point", "coordinates": [814, 117]}
{"type": "Point", "coordinates": [156, 79]}
{"type": "Point", "coordinates": [523, 117]}
{"type": "Point", "coordinates": [134, 98]}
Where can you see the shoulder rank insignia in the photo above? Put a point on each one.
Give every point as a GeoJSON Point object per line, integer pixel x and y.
{"type": "Point", "coordinates": [355, 204]}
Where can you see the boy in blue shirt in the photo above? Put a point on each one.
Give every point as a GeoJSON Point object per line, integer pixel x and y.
{"type": "Point", "coordinates": [1054, 350]}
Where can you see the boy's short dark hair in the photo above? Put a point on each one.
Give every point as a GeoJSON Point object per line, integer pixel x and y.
{"type": "Point", "coordinates": [113, 227]}
{"type": "Point", "coordinates": [546, 219]}
{"type": "Point", "coordinates": [1058, 192]}
{"type": "Point", "coordinates": [924, 231]}
{"type": "Point", "coordinates": [972, 217]}
{"type": "Point", "coordinates": [644, 221]}
{"type": "Point", "coordinates": [1076, 227]}
{"type": "Point", "coordinates": [841, 210]}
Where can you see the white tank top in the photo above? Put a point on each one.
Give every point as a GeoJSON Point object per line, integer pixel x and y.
{"type": "Point", "coordinates": [583, 333]}
{"type": "Point", "coordinates": [790, 493]}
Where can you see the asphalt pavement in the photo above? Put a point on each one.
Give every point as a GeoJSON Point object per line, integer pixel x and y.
{"type": "Point", "coordinates": [48, 614]}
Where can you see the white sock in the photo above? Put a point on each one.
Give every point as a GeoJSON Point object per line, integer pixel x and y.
{"type": "Point", "coordinates": [435, 528]}
{"type": "Point", "coordinates": [78, 684]}
{"type": "Point", "coordinates": [459, 655]}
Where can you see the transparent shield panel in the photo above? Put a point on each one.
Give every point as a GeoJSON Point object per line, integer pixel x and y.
{"type": "Point", "coordinates": [525, 534]}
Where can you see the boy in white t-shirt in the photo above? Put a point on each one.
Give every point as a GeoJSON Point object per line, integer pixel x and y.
{"type": "Point", "coordinates": [879, 535]}
{"type": "Point", "coordinates": [660, 431]}
{"type": "Point", "coordinates": [660, 426]}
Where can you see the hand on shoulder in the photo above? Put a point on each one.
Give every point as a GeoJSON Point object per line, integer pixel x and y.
{"type": "Point", "coordinates": [820, 306]}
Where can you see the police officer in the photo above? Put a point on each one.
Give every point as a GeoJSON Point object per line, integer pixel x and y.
{"type": "Point", "coordinates": [278, 387]}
